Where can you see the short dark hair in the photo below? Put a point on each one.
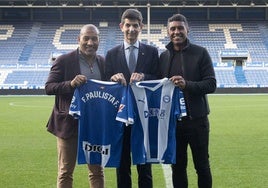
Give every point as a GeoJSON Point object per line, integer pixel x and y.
{"type": "Point", "coordinates": [178, 17]}
{"type": "Point", "coordinates": [132, 14]}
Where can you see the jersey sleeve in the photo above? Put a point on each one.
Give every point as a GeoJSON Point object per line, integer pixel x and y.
{"type": "Point", "coordinates": [125, 111]}
{"type": "Point", "coordinates": [181, 107]}
{"type": "Point", "coordinates": [74, 109]}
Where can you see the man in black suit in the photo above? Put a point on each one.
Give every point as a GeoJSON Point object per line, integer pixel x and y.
{"type": "Point", "coordinates": [117, 69]}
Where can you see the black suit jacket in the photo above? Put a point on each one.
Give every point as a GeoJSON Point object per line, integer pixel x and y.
{"type": "Point", "coordinates": [147, 62]}
{"type": "Point", "coordinates": [64, 69]}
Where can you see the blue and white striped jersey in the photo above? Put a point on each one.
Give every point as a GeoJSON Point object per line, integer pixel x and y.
{"type": "Point", "coordinates": [158, 104]}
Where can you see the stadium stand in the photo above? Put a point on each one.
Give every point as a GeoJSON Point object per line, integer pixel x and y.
{"type": "Point", "coordinates": [239, 48]}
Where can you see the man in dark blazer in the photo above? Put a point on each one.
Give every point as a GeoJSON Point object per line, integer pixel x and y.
{"type": "Point", "coordinates": [117, 69]}
{"type": "Point", "coordinates": [68, 72]}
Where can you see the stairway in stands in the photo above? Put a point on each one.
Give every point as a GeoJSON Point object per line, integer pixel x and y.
{"type": "Point", "coordinates": [27, 49]}
{"type": "Point", "coordinates": [240, 75]}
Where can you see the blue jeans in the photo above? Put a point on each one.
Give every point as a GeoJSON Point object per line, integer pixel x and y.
{"type": "Point", "coordinates": [195, 133]}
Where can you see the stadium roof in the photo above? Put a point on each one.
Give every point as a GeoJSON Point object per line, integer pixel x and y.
{"type": "Point", "coordinates": [133, 3]}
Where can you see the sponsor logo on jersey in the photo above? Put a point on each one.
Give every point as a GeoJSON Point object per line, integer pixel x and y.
{"type": "Point", "coordinates": [102, 149]}
{"type": "Point", "coordinates": [182, 102]}
{"type": "Point", "coordinates": [155, 112]}
{"type": "Point", "coordinates": [121, 107]}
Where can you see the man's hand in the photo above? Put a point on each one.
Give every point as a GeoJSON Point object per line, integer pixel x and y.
{"type": "Point", "coordinates": [78, 80]}
{"type": "Point", "coordinates": [178, 81]}
{"type": "Point", "coordinates": [136, 77]}
{"type": "Point", "coordinates": [119, 77]}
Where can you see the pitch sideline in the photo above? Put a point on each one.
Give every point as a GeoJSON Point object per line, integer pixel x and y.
{"type": "Point", "coordinates": [167, 174]}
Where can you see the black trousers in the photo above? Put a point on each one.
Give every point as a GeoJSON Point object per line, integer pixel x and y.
{"type": "Point", "coordinates": [195, 133]}
{"type": "Point", "coordinates": [124, 171]}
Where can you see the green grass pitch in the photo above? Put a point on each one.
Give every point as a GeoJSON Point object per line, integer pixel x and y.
{"type": "Point", "coordinates": [238, 145]}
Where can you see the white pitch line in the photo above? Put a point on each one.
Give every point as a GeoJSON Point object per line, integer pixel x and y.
{"type": "Point", "coordinates": [167, 174]}
{"type": "Point", "coordinates": [17, 104]}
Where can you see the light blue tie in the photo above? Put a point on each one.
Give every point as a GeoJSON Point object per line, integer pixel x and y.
{"type": "Point", "coordinates": [132, 59]}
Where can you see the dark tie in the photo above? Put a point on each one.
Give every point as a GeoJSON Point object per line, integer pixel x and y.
{"type": "Point", "coordinates": [132, 59]}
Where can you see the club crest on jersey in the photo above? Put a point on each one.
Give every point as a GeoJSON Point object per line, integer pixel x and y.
{"type": "Point", "coordinates": [166, 98]}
